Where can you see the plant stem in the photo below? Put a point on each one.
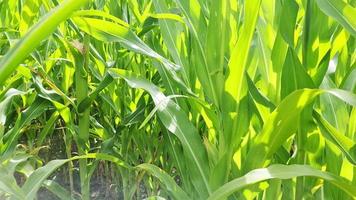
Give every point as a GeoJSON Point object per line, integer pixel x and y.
{"type": "Point", "coordinates": [81, 75]}
{"type": "Point", "coordinates": [301, 154]}
{"type": "Point", "coordinates": [68, 143]}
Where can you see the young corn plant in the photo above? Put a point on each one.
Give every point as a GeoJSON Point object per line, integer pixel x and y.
{"type": "Point", "coordinates": [178, 99]}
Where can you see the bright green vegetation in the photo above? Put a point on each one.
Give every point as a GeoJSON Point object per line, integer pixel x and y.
{"type": "Point", "coordinates": [178, 99]}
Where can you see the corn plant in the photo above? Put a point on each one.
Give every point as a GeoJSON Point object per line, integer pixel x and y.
{"type": "Point", "coordinates": [178, 99]}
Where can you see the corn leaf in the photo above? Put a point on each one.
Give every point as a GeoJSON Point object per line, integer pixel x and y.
{"type": "Point", "coordinates": [280, 172]}
{"type": "Point", "coordinates": [35, 35]}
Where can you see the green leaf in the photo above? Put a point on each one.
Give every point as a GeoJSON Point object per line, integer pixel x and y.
{"type": "Point", "coordinates": [294, 75]}
{"type": "Point", "coordinates": [342, 12]}
{"type": "Point", "coordinates": [48, 128]}
{"type": "Point", "coordinates": [345, 144]}
{"type": "Point", "coordinates": [5, 104]}
{"type": "Point", "coordinates": [322, 69]}
{"type": "Point", "coordinates": [176, 121]}
{"type": "Point", "coordinates": [35, 35]}
{"type": "Point", "coordinates": [288, 19]}
{"type": "Point", "coordinates": [257, 96]}
{"type": "Point", "coordinates": [35, 180]}
{"type": "Point", "coordinates": [34, 110]}
{"type": "Point", "coordinates": [282, 124]}
{"type": "Point", "coordinates": [58, 190]}
{"type": "Point", "coordinates": [98, 13]}
{"type": "Point", "coordinates": [168, 181]}
{"type": "Point", "coordinates": [198, 29]}
{"type": "Point", "coordinates": [278, 171]}
{"type": "Point", "coordinates": [170, 34]}
{"type": "Point", "coordinates": [112, 32]}
{"type": "Point", "coordinates": [7, 182]}
{"type": "Point", "coordinates": [91, 97]}
{"type": "Point", "coordinates": [217, 40]}
{"type": "Point", "coordinates": [238, 60]}
{"type": "Point", "coordinates": [29, 11]}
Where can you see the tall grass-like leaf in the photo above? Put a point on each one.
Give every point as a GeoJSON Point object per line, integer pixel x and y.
{"type": "Point", "coordinates": [197, 27]}
{"type": "Point", "coordinates": [289, 14]}
{"type": "Point", "coordinates": [201, 91]}
{"type": "Point", "coordinates": [29, 11]}
{"type": "Point", "coordinates": [281, 123]}
{"type": "Point", "coordinates": [5, 104]}
{"type": "Point", "coordinates": [176, 121]}
{"type": "Point", "coordinates": [237, 64]}
{"type": "Point", "coordinates": [36, 179]}
{"type": "Point", "coordinates": [37, 108]}
{"type": "Point", "coordinates": [58, 190]}
{"type": "Point", "coordinates": [168, 181]}
{"type": "Point", "coordinates": [48, 128]}
{"type": "Point", "coordinates": [342, 12]}
{"type": "Point", "coordinates": [170, 34]}
{"type": "Point", "coordinates": [7, 182]}
{"type": "Point", "coordinates": [233, 107]}
{"type": "Point", "coordinates": [280, 172]}
{"type": "Point", "coordinates": [111, 32]}
{"type": "Point", "coordinates": [97, 13]}
{"type": "Point", "coordinates": [35, 35]}
{"type": "Point", "coordinates": [345, 144]}
{"type": "Point", "coordinates": [218, 40]}
{"type": "Point", "coordinates": [294, 75]}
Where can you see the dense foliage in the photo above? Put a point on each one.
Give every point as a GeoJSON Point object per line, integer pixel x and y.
{"type": "Point", "coordinates": [178, 99]}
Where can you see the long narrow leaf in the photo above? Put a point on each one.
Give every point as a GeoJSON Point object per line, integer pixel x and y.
{"type": "Point", "coordinates": [280, 172]}
{"type": "Point", "coordinates": [35, 35]}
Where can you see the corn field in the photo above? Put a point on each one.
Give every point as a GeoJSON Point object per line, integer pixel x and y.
{"type": "Point", "coordinates": [178, 99]}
